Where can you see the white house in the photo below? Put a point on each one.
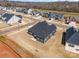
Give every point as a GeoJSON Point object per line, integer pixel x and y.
{"type": "Point", "coordinates": [30, 11]}
{"type": "Point", "coordinates": [11, 18]}
{"type": "Point", "coordinates": [72, 24]}
{"type": "Point", "coordinates": [72, 44]}
{"type": "Point", "coordinates": [1, 7]}
{"type": "Point", "coordinates": [4, 8]}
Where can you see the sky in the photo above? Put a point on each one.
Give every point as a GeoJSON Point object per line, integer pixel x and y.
{"type": "Point", "coordinates": [42, 0]}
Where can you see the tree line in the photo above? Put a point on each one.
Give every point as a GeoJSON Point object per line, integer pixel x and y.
{"type": "Point", "coordinates": [58, 6]}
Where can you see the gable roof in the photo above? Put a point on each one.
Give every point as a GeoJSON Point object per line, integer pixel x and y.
{"type": "Point", "coordinates": [69, 33]}
{"type": "Point", "coordinates": [7, 16]}
{"type": "Point", "coordinates": [58, 16]}
{"type": "Point", "coordinates": [42, 29]}
{"type": "Point", "coordinates": [74, 39]}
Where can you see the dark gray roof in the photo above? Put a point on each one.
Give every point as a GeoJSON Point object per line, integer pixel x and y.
{"type": "Point", "coordinates": [7, 16]}
{"type": "Point", "coordinates": [74, 39]}
{"type": "Point", "coordinates": [52, 15]}
{"type": "Point", "coordinates": [69, 33]}
{"type": "Point", "coordinates": [42, 29]}
{"type": "Point", "coordinates": [56, 16]}
{"type": "Point", "coordinates": [20, 10]}
{"type": "Point", "coordinates": [26, 11]}
{"type": "Point", "coordinates": [36, 12]}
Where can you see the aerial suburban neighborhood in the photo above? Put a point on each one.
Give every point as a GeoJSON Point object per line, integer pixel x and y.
{"type": "Point", "coordinates": [30, 30]}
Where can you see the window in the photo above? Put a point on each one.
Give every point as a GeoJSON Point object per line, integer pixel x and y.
{"type": "Point", "coordinates": [77, 49]}
{"type": "Point", "coordinates": [71, 45]}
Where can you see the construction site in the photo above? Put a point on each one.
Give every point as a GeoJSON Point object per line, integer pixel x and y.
{"type": "Point", "coordinates": [34, 35]}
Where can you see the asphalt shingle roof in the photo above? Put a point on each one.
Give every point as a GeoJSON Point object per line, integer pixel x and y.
{"type": "Point", "coordinates": [42, 29]}
{"type": "Point", "coordinates": [7, 16]}
{"type": "Point", "coordinates": [74, 39]}
{"type": "Point", "coordinates": [69, 33]}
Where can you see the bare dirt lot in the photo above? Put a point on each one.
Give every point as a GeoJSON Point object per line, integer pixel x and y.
{"type": "Point", "coordinates": [3, 25]}
{"type": "Point", "coordinates": [52, 48]}
{"type": "Point", "coordinates": [11, 49]}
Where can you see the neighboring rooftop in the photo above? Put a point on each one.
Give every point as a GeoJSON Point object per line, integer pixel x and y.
{"type": "Point", "coordinates": [7, 16]}
{"type": "Point", "coordinates": [74, 39]}
{"type": "Point", "coordinates": [69, 33]}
